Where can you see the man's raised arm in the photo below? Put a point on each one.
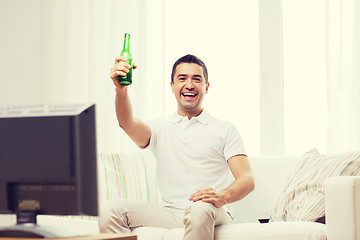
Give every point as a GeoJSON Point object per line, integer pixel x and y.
{"type": "Point", "coordinates": [136, 129]}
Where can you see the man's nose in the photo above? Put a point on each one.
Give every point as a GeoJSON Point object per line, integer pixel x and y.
{"type": "Point", "coordinates": [189, 84]}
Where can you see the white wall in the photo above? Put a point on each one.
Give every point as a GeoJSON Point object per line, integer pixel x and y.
{"type": "Point", "coordinates": [21, 52]}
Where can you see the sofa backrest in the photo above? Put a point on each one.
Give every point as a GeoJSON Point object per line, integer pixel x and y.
{"type": "Point", "coordinates": [127, 175]}
{"type": "Point", "coordinates": [271, 174]}
{"type": "Point", "coordinates": [132, 175]}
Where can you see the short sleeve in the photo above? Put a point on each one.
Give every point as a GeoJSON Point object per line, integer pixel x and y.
{"type": "Point", "coordinates": [154, 125]}
{"type": "Point", "coordinates": [233, 143]}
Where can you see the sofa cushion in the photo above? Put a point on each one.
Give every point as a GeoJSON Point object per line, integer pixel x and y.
{"type": "Point", "coordinates": [303, 198]}
{"type": "Point", "coordinates": [149, 233]}
{"type": "Point", "coordinates": [127, 175]}
{"type": "Point", "coordinates": [257, 231]}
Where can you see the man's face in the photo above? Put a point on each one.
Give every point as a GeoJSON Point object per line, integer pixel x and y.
{"type": "Point", "coordinates": [189, 87]}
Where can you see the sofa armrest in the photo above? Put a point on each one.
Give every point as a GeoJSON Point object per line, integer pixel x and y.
{"type": "Point", "coordinates": [342, 207]}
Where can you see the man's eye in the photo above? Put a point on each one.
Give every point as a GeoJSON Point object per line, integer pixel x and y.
{"type": "Point", "coordinates": [182, 79]}
{"type": "Point", "coordinates": [197, 79]}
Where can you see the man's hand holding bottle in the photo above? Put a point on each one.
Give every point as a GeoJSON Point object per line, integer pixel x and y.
{"type": "Point", "coordinates": [120, 68]}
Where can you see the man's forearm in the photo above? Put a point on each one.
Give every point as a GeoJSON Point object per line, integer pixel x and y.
{"type": "Point", "coordinates": [123, 109]}
{"type": "Point", "coordinates": [244, 179]}
{"type": "Point", "coordinates": [240, 188]}
{"type": "Point", "coordinates": [136, 129]}
{"type": "Point", "coordinates": [242, 185]}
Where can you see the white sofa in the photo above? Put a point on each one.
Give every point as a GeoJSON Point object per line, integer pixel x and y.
{"type": "Point", "coordinates": [133, 176]}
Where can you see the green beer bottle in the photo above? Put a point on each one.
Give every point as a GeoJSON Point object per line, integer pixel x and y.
{"type": "Point", "coordinates": [127, 80]}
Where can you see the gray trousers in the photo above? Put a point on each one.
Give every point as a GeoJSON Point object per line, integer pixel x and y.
{"type": "Point", "coordinates": [198, 218]}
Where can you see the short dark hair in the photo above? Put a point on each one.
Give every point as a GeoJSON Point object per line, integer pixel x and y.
{"type": "Point", "coordinates": [189, 59]}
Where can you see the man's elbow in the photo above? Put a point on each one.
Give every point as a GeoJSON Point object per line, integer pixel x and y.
{"type": "Point", "coordinates": [251, 184]}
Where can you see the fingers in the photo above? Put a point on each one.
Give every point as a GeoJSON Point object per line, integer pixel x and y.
{"type": "Point", "coordinates": [123, 59]}
{"type": "Point", "coordinates": [120, 59]}
{"type": "Point", "coordinates": [208, 195]}
{"type": "Point", "coordinates": [117, 71]}
{"type": "Point", "coordinates": [203, 194]}
{"type": "Point", "coordinates": [120, 68]}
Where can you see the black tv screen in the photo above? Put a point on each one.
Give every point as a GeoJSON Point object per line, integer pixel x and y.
{"type": "Point", "coordinates": [48, 160]}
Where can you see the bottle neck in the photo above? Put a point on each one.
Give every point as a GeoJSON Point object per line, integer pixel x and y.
{"type": "Point", "coordinates": [127, 41]}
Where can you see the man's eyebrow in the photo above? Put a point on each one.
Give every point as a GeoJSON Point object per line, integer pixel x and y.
{"type": "Point", "coordinates": [197, 75]}
{"type": "Point", "coordinates": [181, 75]}
{"type": "Point", "coordinates": [185, 75]}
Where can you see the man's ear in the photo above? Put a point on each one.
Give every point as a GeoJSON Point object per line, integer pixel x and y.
{"type": "Point", "coordinates": [172, 86]}
{"type": "Point", "coordinates": [207, 88]}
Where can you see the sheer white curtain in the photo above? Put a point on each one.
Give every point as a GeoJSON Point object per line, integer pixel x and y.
{"type": "Point", "coordinates": [343, 66]}
{"type": "Point", "coordinates": [60, 51]}
{"type": "Point", "coordinates": [305, 87]}
{"type": "Point", "coordinates": [319, 94]}
{"type": "Point", "coordinates": [225, 35]}
{"type": "Point", "coordinates": [80, 42]}
{"type": "Point", "coordinates": [271, 77]}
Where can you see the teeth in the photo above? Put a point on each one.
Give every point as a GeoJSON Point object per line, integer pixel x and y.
{"type": "Point", "coordinates": [189, 94]}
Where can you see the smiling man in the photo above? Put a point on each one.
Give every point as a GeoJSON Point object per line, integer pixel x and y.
{"type": "Point", "coordinates": [189, 85]}
{"type": "Point", "coordinates": [195, 153]}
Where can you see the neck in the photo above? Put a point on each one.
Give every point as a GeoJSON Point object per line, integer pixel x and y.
{"type": "Point", "coordinates": [190, 114]}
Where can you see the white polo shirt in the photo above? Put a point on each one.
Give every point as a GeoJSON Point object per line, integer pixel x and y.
{"type": "Point", "coordinates": [192, 155]}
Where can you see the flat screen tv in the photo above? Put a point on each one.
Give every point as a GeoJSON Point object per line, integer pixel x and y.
{"type": "Point", "coordinates": [47, 165]}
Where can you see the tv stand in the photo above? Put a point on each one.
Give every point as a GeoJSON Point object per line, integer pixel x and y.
{"type": "Point", "coordinates": [23, 217]}
{"type": "Point", "coordinates": [27, 227]}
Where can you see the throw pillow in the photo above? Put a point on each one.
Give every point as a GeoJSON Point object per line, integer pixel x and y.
{"type": "Point", "coordinates": [127, 175]}
{"type": "Point", "coordinates": [303, 198]}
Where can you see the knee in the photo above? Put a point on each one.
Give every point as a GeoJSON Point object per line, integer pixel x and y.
{"type": "Point", "coordinates": [199, 213]}
{"type": "Point", "coordinates": [110, 212]}
{"type": "Point", "coordinates": [110, 208]}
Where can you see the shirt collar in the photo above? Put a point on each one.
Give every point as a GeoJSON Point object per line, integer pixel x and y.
{"type": "Point", "coordinates": [202, 118]}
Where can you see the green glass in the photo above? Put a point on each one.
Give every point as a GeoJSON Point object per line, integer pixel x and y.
{"type": "Point", "coordinates": [126, 80]}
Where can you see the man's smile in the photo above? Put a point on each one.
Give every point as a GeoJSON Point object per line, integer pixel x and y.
{"type": "Point", "coordinates": [189, 95]}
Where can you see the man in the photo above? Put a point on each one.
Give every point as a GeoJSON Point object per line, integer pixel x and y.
{"type": "Point", "coordinates": [195, 154]}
